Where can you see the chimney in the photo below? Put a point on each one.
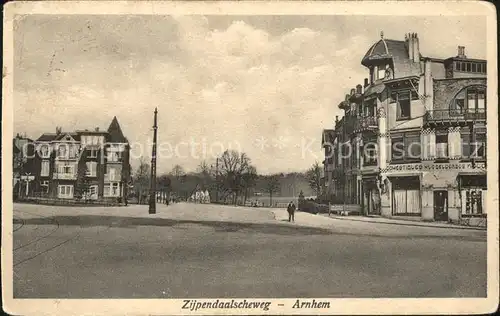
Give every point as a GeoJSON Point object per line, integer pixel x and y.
{"type": "Point", "coordinates": [366, 82]}
{"type": "Point", "coordinates": [58, 130]}
{"type": "Point", "coordinates": [461, 52]}
{"type": "Point", "coordinates": [409, 43]}
{"type": "Point", "coordinates": [97, 129]}
{"type": "Point", "coordinates": [359, 89]}
{"type": "Point", "coordinates": [416, 48]}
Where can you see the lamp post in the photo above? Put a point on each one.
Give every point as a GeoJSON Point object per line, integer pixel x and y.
{"type": "Point", "coordinates": [152, 190]}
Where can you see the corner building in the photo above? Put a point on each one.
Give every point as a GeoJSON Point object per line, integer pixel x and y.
{"type": "Point", "coordinates": [416, 130]}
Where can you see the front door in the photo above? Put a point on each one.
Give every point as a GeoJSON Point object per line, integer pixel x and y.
{"type": "Point", "coordinates": [441, 205]}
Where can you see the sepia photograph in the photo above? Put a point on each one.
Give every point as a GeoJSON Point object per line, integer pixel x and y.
{"type": "Point", "coordinates": [249, 158]}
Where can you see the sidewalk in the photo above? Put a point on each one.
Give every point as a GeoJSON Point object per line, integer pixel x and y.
{"type": "Point", "coordinates": [401, 221]}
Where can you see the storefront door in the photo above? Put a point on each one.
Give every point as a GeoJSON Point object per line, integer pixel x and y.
{"type": "Point", "coordinates": [441, 205]}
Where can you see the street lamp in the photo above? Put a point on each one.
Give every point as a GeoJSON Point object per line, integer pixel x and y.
{"type": "Point", "coordinates": [152, 190]}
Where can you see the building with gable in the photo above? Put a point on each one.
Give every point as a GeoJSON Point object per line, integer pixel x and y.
{"type": "Point", "coordinates": [65, 160]}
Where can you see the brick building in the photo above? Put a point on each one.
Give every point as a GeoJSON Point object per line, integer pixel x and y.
{"type": "Point", "coordinates": [65, 160]}
{"type": "Point", "coordinates": [412, 140]}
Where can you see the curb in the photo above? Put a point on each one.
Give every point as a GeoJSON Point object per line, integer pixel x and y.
{"type": "Point", "coordinates": [408, 224]}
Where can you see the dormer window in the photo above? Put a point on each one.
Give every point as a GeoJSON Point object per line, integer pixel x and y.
{"type": "Point", "coordinates": [469, 66]}
{"type": "Point", "coordinates": [381, 73]}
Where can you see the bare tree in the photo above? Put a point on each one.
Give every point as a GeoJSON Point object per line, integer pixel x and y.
{"type": "Point", "coordinates": [249, 181]}
{"type": "Point", "coordinates": [232, 166]}
{"type": "Point", "coordinates": [141, 179]}
{"type": "Point", "coordinates": [178, 172]}
{"type": "Point", "coordinates": [313, 176]}
{"type": "Point", "coordinates": [272, 186]}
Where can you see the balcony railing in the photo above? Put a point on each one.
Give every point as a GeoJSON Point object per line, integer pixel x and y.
{"type": "Point", "coordinates": [365, 123]}
{"type": "Point", "coordinates": [448, 116]}
{"type": "Point", "coordinates": [64, 176]}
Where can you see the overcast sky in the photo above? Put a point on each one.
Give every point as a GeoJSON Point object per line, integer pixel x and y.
{"type": "Point", "coordinates": [267, 85]}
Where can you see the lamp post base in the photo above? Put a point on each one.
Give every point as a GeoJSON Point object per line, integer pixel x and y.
{"type": "Point", "coordinates": [152, 206]}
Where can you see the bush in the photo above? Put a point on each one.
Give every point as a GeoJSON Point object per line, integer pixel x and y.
{"type": "Point", "coordinates": [310, 206]}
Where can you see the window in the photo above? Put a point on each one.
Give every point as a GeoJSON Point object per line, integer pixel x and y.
{"type": "Point", "coordinates": [441, 145]}
{"type": "Point", "coordinates": [65, 191]}
{"type": "Point", "coordinates": [66, 168]}
{"type": "Point", "coordinates": [472, 202]}
{"type": "Point", "coordinates": [93, 192]}
{"type": "Point", "coordinates": [369, 108]}
{"type": "Point", "coordinates": [381, 73]}
{"type": "Point", "coordinates": [44, 151]}
{"type": "Point", "coordinates": [92, 152]}
{"type": "Point", "coordinates": [112, 173]}
{"type": "Point", "coordinates": [479, 147]}
{"type": "Point", "coordinates": [403, 103]}
{"type": "Point", "coordinates": [370, 152]}
{"type": "Point", "coordinates": [91, 169]}
{"type": "Point", "coordinates": [113, 156]}
{"type": "Point", "coordinates": [45, 168]}
{"type": "Point", "coordinates": [62, 151]}
{"type": "Point", "coordinates": [457, 66]}
{"type": "Point", "coordinates": [72, 152]}
{"type": "Point", "coordinates": [406, 147]}
{"type": "Point", "coordinates": [466, 148]}
{"type": "Point", "coordinates": [112, 189]}
{"type": "Point", "coordinates": [476, 101]}
{"type": "Point", "coordinates": [44, 185]}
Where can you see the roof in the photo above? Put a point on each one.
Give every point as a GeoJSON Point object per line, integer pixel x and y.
{"type": "Point", "coordinates": [115, 132]}
{"type": "Point", "coordinates": [385, 49]}
{"type": "Point", "coordinates": [395, 50]}
{"type": "Point", "coordinates": [49, 137]}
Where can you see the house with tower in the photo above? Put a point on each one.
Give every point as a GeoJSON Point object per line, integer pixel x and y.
{"type": "Point", "coordinates": [412, 138]}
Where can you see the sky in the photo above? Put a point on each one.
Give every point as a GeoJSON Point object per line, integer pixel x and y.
{"type": "Point", "coordinates": [264, 85]}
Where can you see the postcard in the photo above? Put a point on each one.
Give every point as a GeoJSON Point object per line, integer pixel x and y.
{"type": "Point", "coordinates": [250, 158]}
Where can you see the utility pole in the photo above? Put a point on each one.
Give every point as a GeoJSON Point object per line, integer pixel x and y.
{"type": "Point", "coordinates": [152, 190]}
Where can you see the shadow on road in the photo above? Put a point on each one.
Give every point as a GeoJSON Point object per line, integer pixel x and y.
{"type": "Point", "coordinates": [129, 222]}
{"type": "Point", "coordinates": [281, 227]}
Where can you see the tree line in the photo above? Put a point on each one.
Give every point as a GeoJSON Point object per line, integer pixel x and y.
{"type": "Point", "coordinates": [231, 178]}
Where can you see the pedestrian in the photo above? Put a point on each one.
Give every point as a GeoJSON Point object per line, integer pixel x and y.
{"type": "Point", "coordinates": [291, 212]}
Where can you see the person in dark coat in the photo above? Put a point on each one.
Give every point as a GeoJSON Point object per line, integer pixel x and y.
{"type": "Point", "coordinates": [291, 212]}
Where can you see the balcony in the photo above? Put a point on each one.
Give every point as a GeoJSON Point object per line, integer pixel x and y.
{"type": "Point", "coordinates": [364, 123]}
{"type": "Point", "coordinates": [64, 176]}
{"type": "Point", "coordinates": [454, 116]}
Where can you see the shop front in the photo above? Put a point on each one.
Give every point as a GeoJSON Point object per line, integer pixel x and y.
{"type": "Point", "coordinates": [405, 194]}
{"type": "Point", "coordinates": [473, 192]}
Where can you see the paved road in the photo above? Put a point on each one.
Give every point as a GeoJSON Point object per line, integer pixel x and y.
{"type": "Point", "coordinates": [189, 250]}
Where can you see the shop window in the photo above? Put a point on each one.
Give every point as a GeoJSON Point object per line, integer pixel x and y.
{"type": "Point", "coordinates": [472, 202]}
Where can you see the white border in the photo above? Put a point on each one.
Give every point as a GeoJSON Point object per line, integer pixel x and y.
{"type": "Point", "coordinates": [338, 306]}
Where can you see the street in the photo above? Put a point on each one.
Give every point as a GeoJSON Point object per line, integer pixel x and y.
{"type": "Point", "coordinates": [197, 250]}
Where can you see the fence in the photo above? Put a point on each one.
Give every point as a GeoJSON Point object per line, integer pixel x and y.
{"type": "Point", "coordinates": [70, 202]}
